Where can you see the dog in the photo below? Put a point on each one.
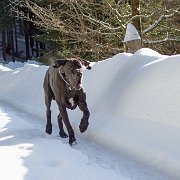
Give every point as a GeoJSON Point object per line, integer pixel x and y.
{"type": "Point", "coordinates": [63, 83]}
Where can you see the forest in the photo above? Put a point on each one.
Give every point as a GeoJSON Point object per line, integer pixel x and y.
{"type": "Point", "coordinates": [92, 30]}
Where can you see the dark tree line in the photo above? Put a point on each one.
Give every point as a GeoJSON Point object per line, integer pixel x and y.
{"type": "Point", "coordinates": [18, 37]}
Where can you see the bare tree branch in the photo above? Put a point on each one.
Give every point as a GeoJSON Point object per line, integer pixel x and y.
{"type": "Point", "coordinates": [152, 26]}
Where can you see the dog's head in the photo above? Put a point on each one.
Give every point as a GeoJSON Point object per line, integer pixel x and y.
{"type": "Point", "coordinates": [71, 71]}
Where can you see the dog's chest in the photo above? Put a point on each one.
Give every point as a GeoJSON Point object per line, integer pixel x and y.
{"type": "Point", "coordinates": [71, 101]}
{"type": "Point", "coordinates": [72, 98]}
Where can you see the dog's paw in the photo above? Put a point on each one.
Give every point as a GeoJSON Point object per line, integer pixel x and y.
{"type": "Point", "coordinates": [49, 129]}
{"type": "Point", "coordinates": [72, 140]}
{"type": "Point", "coordinates": [83, 125]}
{"type": "Point", "coordinates": [63, 135]}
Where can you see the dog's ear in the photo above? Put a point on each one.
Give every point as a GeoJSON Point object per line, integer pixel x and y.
{"type": "Point", "coordinates": [59, 62]}
{"type": "Point", "coordinates": [86, 64]}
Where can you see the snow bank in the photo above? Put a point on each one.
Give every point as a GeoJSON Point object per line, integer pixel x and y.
{"type": "Point", "coordinates": [137, 106]}
{"type": "Point", "coordinates": [134, 102]}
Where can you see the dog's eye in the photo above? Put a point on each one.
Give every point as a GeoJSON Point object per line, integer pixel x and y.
{"type": "Point", "coordinates": [72, 71]}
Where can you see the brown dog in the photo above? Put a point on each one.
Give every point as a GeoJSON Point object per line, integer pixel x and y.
{"type": "Point", "coordinates": [63, 83]}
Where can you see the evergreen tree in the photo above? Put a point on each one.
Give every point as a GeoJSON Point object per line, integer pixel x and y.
{"type": "Point", "coordinates": [6, 27]}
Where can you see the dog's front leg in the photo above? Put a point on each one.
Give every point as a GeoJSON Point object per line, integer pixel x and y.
{"type": "Point", "coordinates": [70, 130]}
{"type": "Point", "coordinates": [84, 121]}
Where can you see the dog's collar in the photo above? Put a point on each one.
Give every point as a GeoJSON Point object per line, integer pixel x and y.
{"type": "Point", "coordinates": [63, 76]}
{"type": "Point", "coordinates": [64, 79]}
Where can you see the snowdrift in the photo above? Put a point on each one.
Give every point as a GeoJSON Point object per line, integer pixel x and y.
{"type": "Point", "coordinates": [134, 100]}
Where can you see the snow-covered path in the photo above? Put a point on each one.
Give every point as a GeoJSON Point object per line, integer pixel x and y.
{"type": "Point", "coordinates": [134, 102]}
{"type": "Point", "coordinates": [27, 153]}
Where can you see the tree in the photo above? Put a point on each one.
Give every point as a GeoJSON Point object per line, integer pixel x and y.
{"type": "Point", "coordinates": [3, 27]}
{"type": "Point", "coordinates": [79, 28]}
{"type": "Point", "coordinates": [4, 44]}
{"type": "Point", "coordinates": [95, 29]}
{"type": "Point", "coordinates": [6, 27]}
{"type": "Point", "coordinates": [161, 25]}
{"type": "Point", "coordinates": [135, 5]}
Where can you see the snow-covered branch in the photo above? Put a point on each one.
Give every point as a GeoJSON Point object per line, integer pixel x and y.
{"type": "Point", "coordinates": [152, 26]}
{"type": "Point", "coordinates": [162, 41]}
{"type": "Point", "coordinates": [157, 22]}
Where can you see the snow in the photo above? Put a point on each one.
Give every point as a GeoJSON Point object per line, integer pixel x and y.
{"type": "Point", "coordinates": [39, 151]}
{"type": "Point", "coordinates": [131, 33]}
{"type": "Point", "coordinates": [134, 102]}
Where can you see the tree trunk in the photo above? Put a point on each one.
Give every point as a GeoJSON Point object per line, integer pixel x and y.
{"type": "Point", "coordinates": [4, 44]}
{"type": "Point", "coordinates": [37, 48]}
{"type": "Point", "coordinates": [8, 45]}
{"type": "Point", "coordinates": [26, 33]}
{"type": "Point", "coordinates": [12, 46]}
{"type": "Point", "coordinates": [21, 27]}
{"type": "Point", "coordinates": [15, 34]}
{"type": "Point", "coordinates": [135, 5]}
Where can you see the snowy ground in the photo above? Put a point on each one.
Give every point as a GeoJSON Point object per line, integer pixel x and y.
{"type": "Point", "coordinates": [134, 129]}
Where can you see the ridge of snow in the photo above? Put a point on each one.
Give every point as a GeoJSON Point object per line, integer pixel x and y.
{"type": "Point", "coordinates": [134, 102]}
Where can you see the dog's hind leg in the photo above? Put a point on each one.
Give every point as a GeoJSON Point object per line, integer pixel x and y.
{"type": "Point", "coordinates": [49, 96]}
{"type": "Point", "coordinates": [48, 114]}
{"type": "Point", "coordinates": [61, 129]}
